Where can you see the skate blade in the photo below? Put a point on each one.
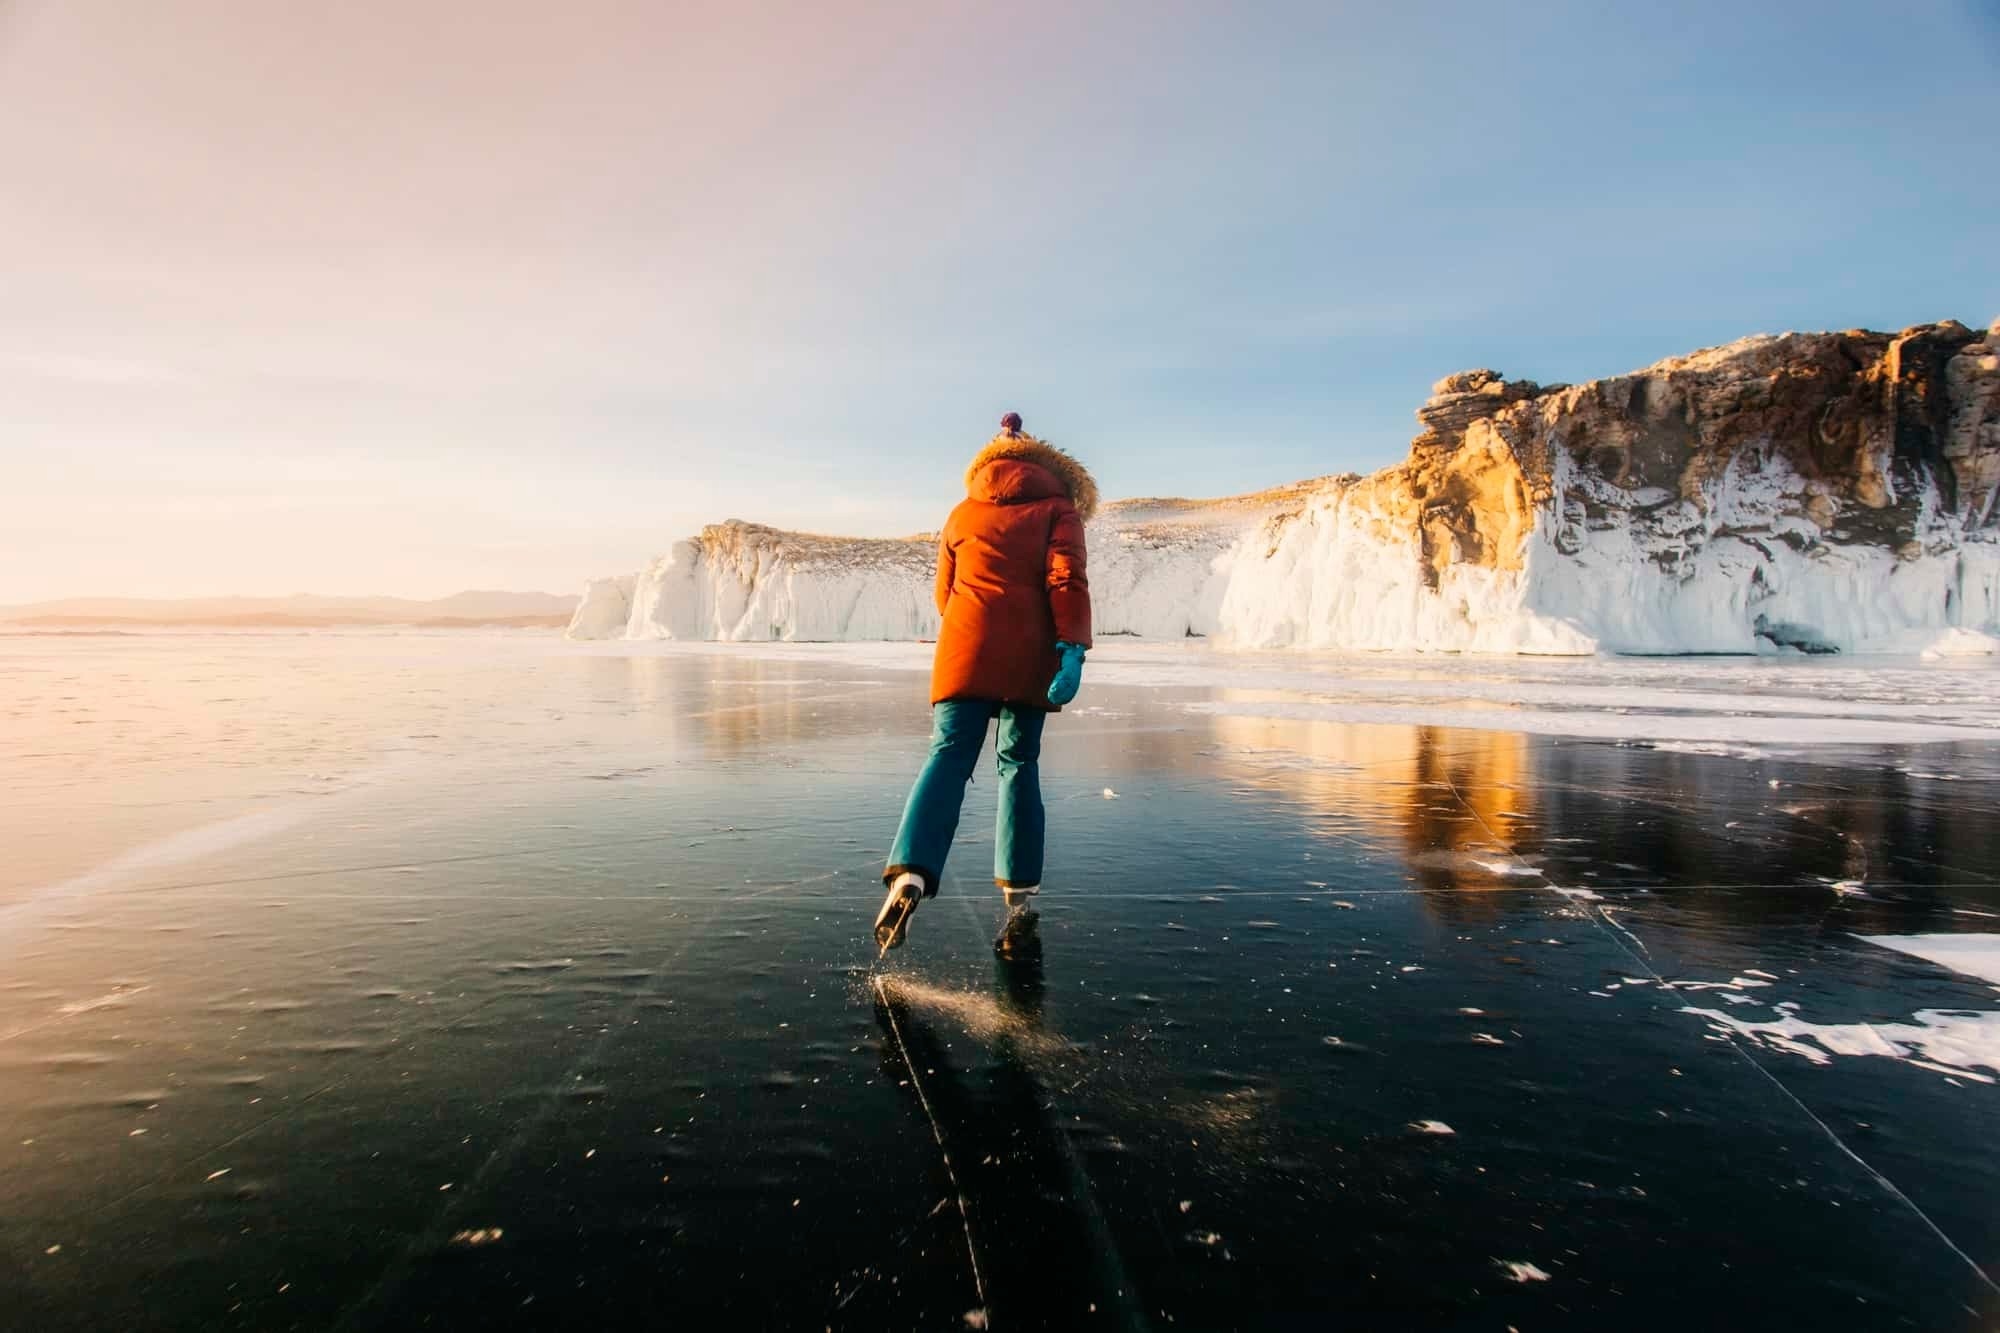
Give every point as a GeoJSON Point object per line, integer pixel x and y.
{"type": "Point", "coordinates": [1020, 935]}
{"type": "Point", "coordinates": [893, 923]}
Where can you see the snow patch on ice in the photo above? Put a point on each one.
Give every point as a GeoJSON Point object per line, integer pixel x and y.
{"type": "Point", "coordinates": [1520, 1271]}
{"type": "Point", "coordinates": [1958, 1040]}
{"type": "Point", "coordinates": [1511, 869]}
{"type": "Point", "coordinates": [1973, 954]}
{"type": "Point", "coordinates": [1957, 641]}
{"type": "Point", "coordinates": [1719, 749]}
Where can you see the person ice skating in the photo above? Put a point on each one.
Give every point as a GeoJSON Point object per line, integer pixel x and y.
{"type": "Point", "coordinates": [1016, 606]}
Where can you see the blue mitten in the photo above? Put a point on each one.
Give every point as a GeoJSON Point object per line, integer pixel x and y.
{"type": "Point", "coordinates": [1069, 675]}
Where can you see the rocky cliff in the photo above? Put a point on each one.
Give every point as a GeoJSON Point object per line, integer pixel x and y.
{"type": "Point", "coordinates": [1817, 490]}
{"type": "Point", "coordinates": [1823, 492]}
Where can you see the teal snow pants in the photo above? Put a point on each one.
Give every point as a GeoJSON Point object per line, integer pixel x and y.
{"type": "Point", "coordinates": [958, 730]}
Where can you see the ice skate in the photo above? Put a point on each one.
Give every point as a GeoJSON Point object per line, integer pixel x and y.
{"type": "Point", "coordinates": [893, 921]}
{"type": "Point", "coordinates": [1020, 937]}
{"type": "Point", "coordinates": [1018, 895]}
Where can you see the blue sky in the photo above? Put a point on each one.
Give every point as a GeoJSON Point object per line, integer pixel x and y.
{"type": "Point", "coordinates": [407, 298]}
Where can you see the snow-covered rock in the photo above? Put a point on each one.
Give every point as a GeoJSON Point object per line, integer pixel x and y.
{"type": "Point", "coordinates": [1810, 492]}
{"type": "Point", "coordinates": [1158, 569]}
{"type": "Point", "coordinates": [742, 581]}
{"type": "Point", "coordinates": [606, 608]}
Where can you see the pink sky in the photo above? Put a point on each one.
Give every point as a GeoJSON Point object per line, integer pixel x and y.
{"type": "Point", "coordinates": [407, 297]}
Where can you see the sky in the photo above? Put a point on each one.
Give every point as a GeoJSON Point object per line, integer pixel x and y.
{"type": "Point", "coordinates": [409, 296]}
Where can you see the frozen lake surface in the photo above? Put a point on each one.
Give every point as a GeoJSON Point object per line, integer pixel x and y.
{"type": "Point", "coordinates": [361, 982]}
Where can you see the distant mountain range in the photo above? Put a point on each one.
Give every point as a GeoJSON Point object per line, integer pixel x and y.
{"type": "Point", "coordinates": [301, 610]}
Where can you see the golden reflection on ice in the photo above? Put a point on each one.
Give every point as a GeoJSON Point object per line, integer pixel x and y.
{"type": "Point", "coordinates": [1462, 805]}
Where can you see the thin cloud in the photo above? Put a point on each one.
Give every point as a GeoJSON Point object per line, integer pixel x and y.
{"type": "Point", "coordinates": [93, 370]}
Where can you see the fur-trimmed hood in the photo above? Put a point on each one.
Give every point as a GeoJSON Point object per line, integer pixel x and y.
{"type": "Point", "coordinates": [1073, 476]}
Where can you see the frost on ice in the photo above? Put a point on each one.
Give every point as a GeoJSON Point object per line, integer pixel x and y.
{"type": "Point", "coordinates": [1809, 493]}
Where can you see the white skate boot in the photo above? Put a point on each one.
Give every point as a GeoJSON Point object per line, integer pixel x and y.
{"type": "Point", "coordinates": [898, 907]}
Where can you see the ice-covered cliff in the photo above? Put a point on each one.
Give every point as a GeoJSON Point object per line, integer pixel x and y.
{"type": "Point", "coordinates": [1158, 569]}
{"type": "Point", "coordinates": [1825, 491]}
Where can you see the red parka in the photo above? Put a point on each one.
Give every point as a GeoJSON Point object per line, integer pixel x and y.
{"type": "Point", "coordinates": [1010, 574]}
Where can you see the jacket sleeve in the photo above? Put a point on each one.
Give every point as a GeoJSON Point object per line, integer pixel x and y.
{"type": "Point", "coordinates": [947, 567]}
{"type": "Point", "coordinates": [1069, 588]}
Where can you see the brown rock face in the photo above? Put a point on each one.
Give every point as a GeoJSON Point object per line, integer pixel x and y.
{"type": "Point", "coordinates": [1886, 438]}
{"type": "Point", "coordinates": [1457, 401]}
{"type": "Point", "coordinates": [1972, 426]}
